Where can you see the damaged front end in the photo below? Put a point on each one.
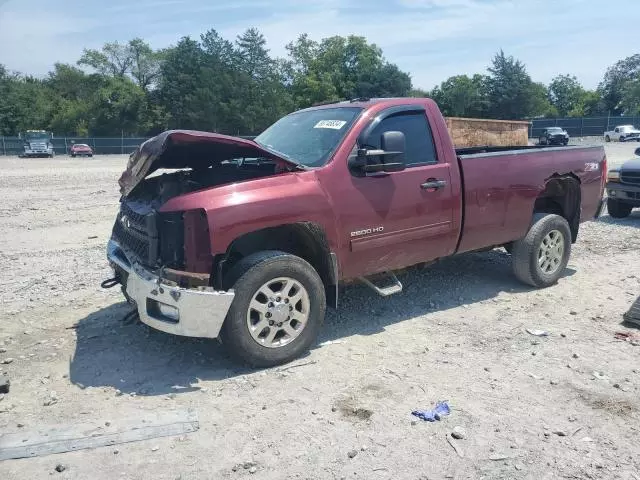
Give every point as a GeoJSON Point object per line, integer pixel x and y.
{"type": "Point", "coordinates": [172, 301]}
{"type": "Point", "coordinates": [163, 259]}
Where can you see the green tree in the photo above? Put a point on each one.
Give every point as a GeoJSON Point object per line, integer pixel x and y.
{"type": "Point", "coordinates": [631, 97]}
{"type": "Point", "coordinates": [614, 83]}
{"type": "Point", "coordinates": [510, 89]}
{"type": "Point", "coordinates": [342, 68]}
{"type": "Point", "coordinates": [135, 59]}
{"type": "Point", "coordinates": [566, 94]}
{"type": "Point", "coordinates": [462, 96]}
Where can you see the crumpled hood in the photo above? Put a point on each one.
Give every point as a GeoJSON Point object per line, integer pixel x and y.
{"type": "Point", "coordinates": [187, 149]}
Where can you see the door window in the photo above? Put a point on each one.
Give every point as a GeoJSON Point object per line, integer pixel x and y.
{"type": "Point", "coordinates": [420, 149]}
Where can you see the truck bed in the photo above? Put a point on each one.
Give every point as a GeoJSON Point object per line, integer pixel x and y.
{"type": "Point", "coordinates": [501, 184]}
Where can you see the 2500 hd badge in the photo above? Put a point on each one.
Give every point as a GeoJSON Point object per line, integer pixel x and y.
{"type": "Point", "coordinates": [367, 231]}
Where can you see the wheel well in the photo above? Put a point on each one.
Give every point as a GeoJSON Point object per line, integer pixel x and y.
{"type": "Point", "coordinates": [306, 240]}
{"type": "Point", "coordinates": [561, 196]}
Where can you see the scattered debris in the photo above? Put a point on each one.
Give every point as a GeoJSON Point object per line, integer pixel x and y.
{"type": "Point", "coordinates": [586, 439]}
{"type": "Point", "coordinates": [253, 470]}
{"type": "Point", "coordinates": [60, 468]}
{"type": "Point", "coordinates": [441, 409]}
{"type": "Point", "coordinates": [631, 337]}
{"type": "Point", "coordinates": [4, 385]}
{"type": "Point", "coordinates": [575, 355]}
{"type": "Point", "coordinates": [61, 439]}
{"type": "Point", "coordinates": [573, 312]}
{"type": "Point", "coordinates": [91, 237]}
{"type": "Point", "coordinates": [454, 446]}
{"type": "Point", "coordinates": [560, 433]}
{"type": "Point", "coordinates": [538, 333]}
{"type": "Point", "coordinates": [459, 433]}
{"type": "Point", "coordinates": [497, 458]}
{"type": "Point", "coordinates": [155, 448]}
{"type": "Point", "coordinates": [7, 361]}
{"type": "Point", "coordinates": [553, 382]}
{"type": "Point", "coordinates": [599, 375]}
{"type": "Point", "coordinates": [352, 453]}
{"type": "Point", "coordinates": [331, 342]}
{"type": "Point", "coordinates": [52, 399]}
{"type": "Point", "coordinates": [297, 365]}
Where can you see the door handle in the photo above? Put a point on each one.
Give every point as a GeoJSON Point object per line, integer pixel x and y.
{"type": "Point", "coordinates": [433, 184]}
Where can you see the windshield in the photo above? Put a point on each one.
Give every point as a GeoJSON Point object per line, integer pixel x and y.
{"type": "Point", "coordinates": [309, 137]}
{"type": "Point", "coordinates": [31, 136]}
{"type": "Point", "coordinates": [554, 130]}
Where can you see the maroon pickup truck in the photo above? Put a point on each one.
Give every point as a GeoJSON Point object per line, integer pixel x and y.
{"type": "Point", "coordinates": [248, 240]}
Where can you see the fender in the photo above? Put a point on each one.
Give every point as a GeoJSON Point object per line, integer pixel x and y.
{"type": "Point", "coordinates": [237, 209]}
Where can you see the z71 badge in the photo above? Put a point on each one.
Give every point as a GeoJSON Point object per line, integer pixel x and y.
{"type": "Point", "coordinates": [367, 231]}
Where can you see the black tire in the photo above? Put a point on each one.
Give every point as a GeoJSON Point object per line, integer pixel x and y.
{"type": "Point", "coordinates": [73, 155]}
{"type": "Point", "coordinates": [565, 143]}
{"type": "Point", "coordinates": [607, 139]}
{"type": "Point", "coordinates": [617, 209]}
{"type": "Point", "coordinates": [246, 277]}
{"type": "Point", "coordinates": [91, 155]}
{"type": "Point", "coordinates": [525, 251]}
{"type": "Point", "coordinates": [621, 139]}
{"type": "Point", "coordinates": [542, 141]}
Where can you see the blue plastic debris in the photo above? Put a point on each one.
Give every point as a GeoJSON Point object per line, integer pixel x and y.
{"type": "Point", "coordinates": [441, 410]}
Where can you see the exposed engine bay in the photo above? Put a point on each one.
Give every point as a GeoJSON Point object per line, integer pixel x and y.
{"type": "Point", "coordinates": [160, 187]}
{"type": "Point", "coordinates": [157, 240]}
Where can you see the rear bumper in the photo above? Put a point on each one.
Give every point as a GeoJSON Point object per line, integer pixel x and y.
{"type": "Point", "coordinates": [190, 312]}
{"type": "Point", "coordinates": [623, 192]}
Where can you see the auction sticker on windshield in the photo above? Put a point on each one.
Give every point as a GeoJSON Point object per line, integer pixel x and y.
{"type": "Point", "coordinates": [333, 124]}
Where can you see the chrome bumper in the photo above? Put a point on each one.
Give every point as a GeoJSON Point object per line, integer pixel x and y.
{"type": "Point", "coordinates": [188, 312]}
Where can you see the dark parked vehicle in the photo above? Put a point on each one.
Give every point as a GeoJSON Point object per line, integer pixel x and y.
{"type": "Point", "coordinates": [554, 136]}
{"type": "Point", "coordinates": [249, 239]}
{"type": "Point", "coordinates": [623, 188]}
{"type": "Point", "coordinates": [80, 149]}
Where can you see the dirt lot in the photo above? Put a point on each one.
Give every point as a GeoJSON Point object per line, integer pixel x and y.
{"type": "Point", "coordinates": [562, 406]}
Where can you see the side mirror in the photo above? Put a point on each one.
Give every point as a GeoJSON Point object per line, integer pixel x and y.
{"type": "Point", "coordinates": [637, 151]}
{"type": "Point", "coordinates": [390, 157]}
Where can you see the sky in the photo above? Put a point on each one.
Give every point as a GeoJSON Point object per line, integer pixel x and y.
{"type": "Point", "coordinates": [430, 39]}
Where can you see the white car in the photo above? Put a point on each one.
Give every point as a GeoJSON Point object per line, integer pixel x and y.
{"type": "Point", "coordinates": [622, 133]}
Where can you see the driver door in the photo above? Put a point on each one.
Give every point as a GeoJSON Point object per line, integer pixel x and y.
{"type": "Point", "coordinates": [398, 219]}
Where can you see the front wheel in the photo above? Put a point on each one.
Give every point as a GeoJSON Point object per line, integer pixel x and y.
{"type": "Point", "coordinates": [277, 311]}
{"type": "Point", "coordinates": [540, 258]}
{"type": "Point", "coordinates": [607, 139]}
{"type": "Point", "coordinates": [622, 139]}
{"type": "Point", "coordinates": [617, 209]}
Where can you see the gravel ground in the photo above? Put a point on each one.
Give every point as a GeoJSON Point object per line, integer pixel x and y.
{"type": "Point", "coordinates": [562, 406]}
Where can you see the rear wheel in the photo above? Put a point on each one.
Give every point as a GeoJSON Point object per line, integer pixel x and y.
{"type": "Point", "coordinates": [540, 258]}
{"type": "Point", "coordinates": [622, 139]}
{"type": "Point", "coordinates": [277, 311]}
{"type": "Point", "coordinates": [617, 209]}
{"type": "Point", "coordinates": [607, 138]}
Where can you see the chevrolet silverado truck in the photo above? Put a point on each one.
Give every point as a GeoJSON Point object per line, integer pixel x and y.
{"type": "Point", "coordinates": [248, 240]}
{"type": "Point", "coordinates": [623, 188]}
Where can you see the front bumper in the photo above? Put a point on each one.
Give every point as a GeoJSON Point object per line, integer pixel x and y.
{"type": "Point", "coordinates": [34, 153]}
{"type": "Point", "coordinates": [190, 312]}
{"type": "Point", "coordinates": [625, 193]}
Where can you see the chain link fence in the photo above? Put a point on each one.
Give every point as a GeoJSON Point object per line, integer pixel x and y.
{"type": "Point", "coordinates": [100, 145]}
{"type": "Point", "coordinates": [581, 126]}
{"type": "Point", "coordinates": [61, 145]}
